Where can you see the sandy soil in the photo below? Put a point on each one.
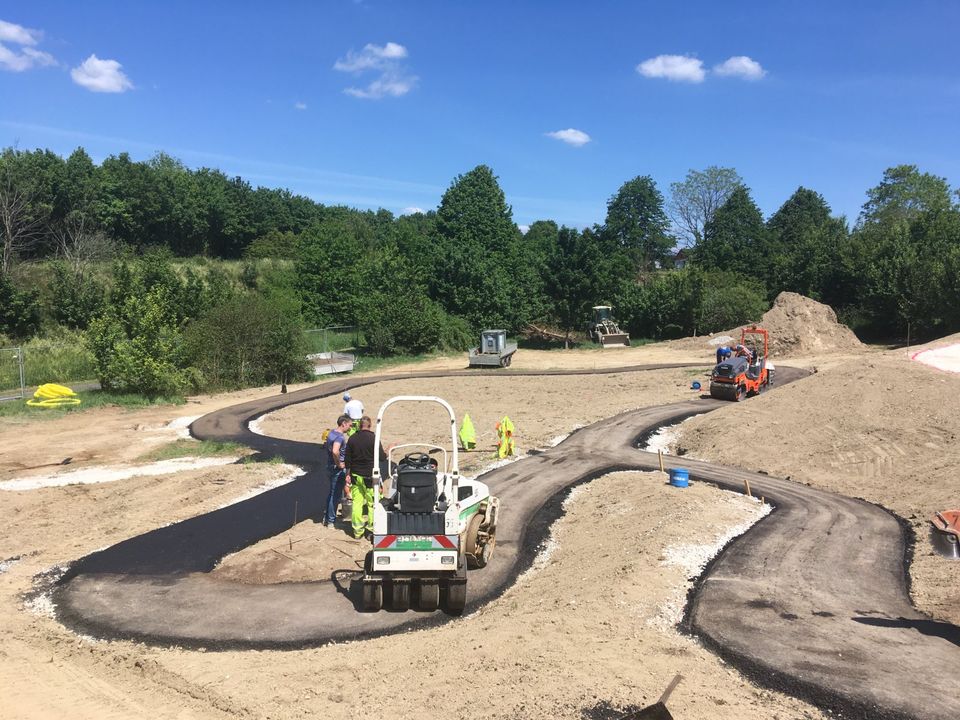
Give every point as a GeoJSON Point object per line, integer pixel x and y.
{"type": "Point", "coordinates": [883, 428]}
{"type": "Point", "coordinates": [592, 623]}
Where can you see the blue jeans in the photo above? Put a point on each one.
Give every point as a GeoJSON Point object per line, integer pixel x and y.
{"type": "Point", "coordinates": [338, 478]}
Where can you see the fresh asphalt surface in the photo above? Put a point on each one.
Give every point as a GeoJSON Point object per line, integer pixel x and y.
{"type": "Point", "coordinates": [812, 600]}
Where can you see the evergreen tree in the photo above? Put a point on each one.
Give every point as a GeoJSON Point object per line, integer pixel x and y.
{"type": "Point", "coordinates": [476, 274]}
{"type": "Point", "coordinates": [637, 223]}
{"type": "Point", "coordinates": [736, 238]}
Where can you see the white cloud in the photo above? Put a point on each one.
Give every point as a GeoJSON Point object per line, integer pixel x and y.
{"type": "Point", "coordinates": [17, 34]}
{"type": "Point", "coordinates": [394, 86]}
{"type": "Point", "coordinates": [24, 60]}
{"type": "Point", "coordinates": [413, 211]}
{"type": "Point", "coordinates": [571, 136]}
{"type": "Point", "coordinates": [740, 66]}
{"type": "Point", "coordinates": [300, 105]}
{"type": "Point", "coordinates": [394, 79]}
{"type": "Point", "coordinates": [678, 68]}
{"type": "Point", "coordinates": [524, 229]}
{"type": "Point", "coordinates": [99, 75]}
{"type": "Point", "coordinates": [371, 57]}
{"type": "Point", "coordinates": [27, 57]}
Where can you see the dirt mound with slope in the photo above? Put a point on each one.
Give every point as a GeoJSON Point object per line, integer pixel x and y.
{"type": "Point", "coordinates": [798, 327]}
{"type": "Point", "coordinates": [801, 326]}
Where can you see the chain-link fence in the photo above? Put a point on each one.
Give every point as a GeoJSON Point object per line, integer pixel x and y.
{"type": "Point", "coordinates": [336, 338]}
{"type": "Point", "coordinates": [45, 360]}
{"type": "Point", "coordinates": [12, 379]}
{"type": "Point", "coordinates": [333, 349]}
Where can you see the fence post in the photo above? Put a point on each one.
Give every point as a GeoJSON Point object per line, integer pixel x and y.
{"type": "Point", "coordinates": [22, 378]}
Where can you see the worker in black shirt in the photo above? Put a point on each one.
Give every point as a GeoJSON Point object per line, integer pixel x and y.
{"type": "Point", "coordinates": [359, 463]}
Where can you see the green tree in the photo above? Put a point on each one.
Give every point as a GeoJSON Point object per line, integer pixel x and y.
{"type": "Point", "coordinates": [476, 274]}
{"type": "Point", "coordinates": [735, 239]}
{"type": "Point", "coordinates": [637, 223]}
{"type": "Point", "coordinates": [579, 273]}
{"type": "Point", "coordinates": [904, 194]}
{"type": "Point", "coordinates": [19, 310]}
{"type": "Point", "coordinates": [330, 269]}
{"type": "Point", "coordinates": [75, 299]}
{"type": "Point", "coordinates": [805, 244]}
{"type": "Point", "coordinates": [138, 348]}
{"type": "Point", "coordinates": [694, 201]}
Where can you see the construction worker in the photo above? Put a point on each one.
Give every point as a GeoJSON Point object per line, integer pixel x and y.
{"type": "Point", "coordinates": [353, 408]}
{"type": "Point", "coordinates": [359, 463]}
{"type": "Point", "coordinates": [336, 448]}
{"type": "Point", "coordinates": [723, 352]}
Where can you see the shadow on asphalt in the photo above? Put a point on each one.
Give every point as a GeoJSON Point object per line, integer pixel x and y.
{"type": "Point", "coordinates": [197, 544]}
{"type": "Point", "coordinates": [950, 633]}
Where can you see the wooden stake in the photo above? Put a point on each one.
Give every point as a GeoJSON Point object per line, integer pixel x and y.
{"type": "Point", "coordinates": [746, 483]}
{"type": "Point", "coordinates": [660, 456]}
{"type": "Point", "coordinates": [295, 504]}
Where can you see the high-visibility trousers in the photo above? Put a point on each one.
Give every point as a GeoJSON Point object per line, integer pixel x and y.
{"type": "Point", "coordinates": [360, 496]}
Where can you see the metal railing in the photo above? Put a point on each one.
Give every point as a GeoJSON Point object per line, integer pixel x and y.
{"type": "Point", "coordinates": [12, 379]}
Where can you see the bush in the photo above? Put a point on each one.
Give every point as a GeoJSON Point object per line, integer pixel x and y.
{"type": "Point", "coordinates": [409, 323]}
{"type": "Point", "coordinates": [74, 300]}
{"type": "Point", "coordinates": [725, 306]}
{"type": "Point", "coordinates": [248, 341]}
{"type": "Point", "coordinates": [19, 310]}
{"type": "Point", "coordinates": [138, 348]}
{"type": "Point", "coordinates": [274, 244]}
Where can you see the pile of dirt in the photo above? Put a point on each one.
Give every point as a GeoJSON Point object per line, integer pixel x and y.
{"type": "Point", "coordinates": [801, 326]}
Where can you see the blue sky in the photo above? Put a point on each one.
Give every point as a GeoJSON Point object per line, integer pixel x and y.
{"type": "Point", "coordinates": [381, 104]}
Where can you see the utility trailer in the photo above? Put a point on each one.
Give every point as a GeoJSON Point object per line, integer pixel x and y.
{"type": "Point", "coordinates": [429, 529]}
{"type": "Point", "coordinates": [494, 350]}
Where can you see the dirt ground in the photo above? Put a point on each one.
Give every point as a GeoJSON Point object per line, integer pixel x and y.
{"type": "Point", "coordinates": [591, 623]}
{"type": "Point", "coordinates": [883, 428]}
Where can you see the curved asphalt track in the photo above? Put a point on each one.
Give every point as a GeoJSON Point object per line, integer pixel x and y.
{"type": "Point", "coordinates": [812, 600]}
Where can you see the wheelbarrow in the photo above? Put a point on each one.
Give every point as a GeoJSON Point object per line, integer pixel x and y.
{"type": "Point", "coordinates": [945, 535]}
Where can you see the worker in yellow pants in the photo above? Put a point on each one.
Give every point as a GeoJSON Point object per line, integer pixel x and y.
{"type": "Point", "coordinates": [358, 460]}
{"type": "Point", "coordinates": [362, 499]}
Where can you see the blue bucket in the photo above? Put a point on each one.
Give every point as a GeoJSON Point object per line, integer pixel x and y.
{"type": "Point", "coordinates": [679, 477]}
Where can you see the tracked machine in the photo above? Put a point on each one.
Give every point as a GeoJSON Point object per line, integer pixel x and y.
{"type": "Point", "coordinates": [429, 528]}
{"type": "Point", "coordinates": [746, 373]}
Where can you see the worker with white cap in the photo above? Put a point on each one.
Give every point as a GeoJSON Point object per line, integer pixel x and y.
{"type": "Point", "coordinates": [354, 409]}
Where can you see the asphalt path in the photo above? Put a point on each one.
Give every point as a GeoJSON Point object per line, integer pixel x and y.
{"type": "Point", "coordinates": [813, 600]}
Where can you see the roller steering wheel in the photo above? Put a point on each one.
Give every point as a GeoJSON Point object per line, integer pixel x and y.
{"type": "Point", "coordinates": [417, 460]}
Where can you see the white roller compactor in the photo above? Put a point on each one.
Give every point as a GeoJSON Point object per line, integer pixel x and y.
{"type": "Point", "coordinates": [429, 528]}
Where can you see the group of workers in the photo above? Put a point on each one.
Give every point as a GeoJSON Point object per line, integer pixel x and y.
{"type": "Point", "coordinates": [723, 352]}
{"type": "Point", "coordinates": [350, 449]}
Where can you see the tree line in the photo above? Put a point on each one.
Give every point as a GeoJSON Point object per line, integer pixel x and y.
{"type": "Point", "coordinates": [429, 281]}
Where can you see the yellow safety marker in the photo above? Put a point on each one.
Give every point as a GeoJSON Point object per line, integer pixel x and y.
{"type": "Point", "coordinates": [505, 444]}
{"type": "Point", "coordinates": [467, 435]}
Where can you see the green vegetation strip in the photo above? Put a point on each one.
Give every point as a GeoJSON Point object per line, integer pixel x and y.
{"type": "Point", "coordinates": [194, 448]}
